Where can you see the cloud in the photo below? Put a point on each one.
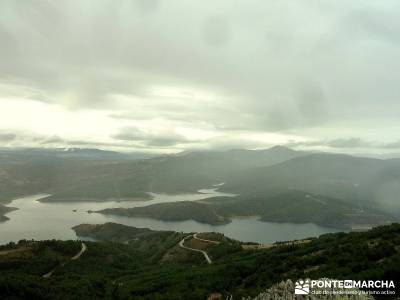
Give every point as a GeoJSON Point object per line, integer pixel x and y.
{"type": "Point", "coordinates": [216, 31]}
{"type": "Point", "coordinates": [394, 145]}
{"type": "Point", "coordinates": [346, 143]}
{"type": "Point", "coordinates": [349, 143]}
{"type": "Point", "coordinates": [147, 6]}
{"type": "Point", "coordinates": [292, 68]}
{"type": "Point", "coordinates": [336, 143]}
{"type": "Point", "coordinates": [161, 138]}
{"type": "Point", "coordinates": [51, 140]}
{"type": "Point", "coordinates": [7, 137]}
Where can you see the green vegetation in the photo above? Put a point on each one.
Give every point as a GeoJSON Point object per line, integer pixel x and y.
{"type": "Point", "coordinates": [113, 232]}
{"type": "Point", "coordinates": [300, 207]}
{"type": "Point", "coordinates": [110, 270]}
{"type": "Point", "coordinates": [175, 211]}
{"type": "Point", "coordinates": [363, 182]}
{"type": "Point", "coordinates": [343, 190]}
{"type": "Point", "coordinates": [152, 244]}
{"type": "Point", "coordinates": [255, 175]}
{"type": "Point", "coordinates": [278, 184]}
{"type": "Point", "coordinates": [90, 174]}
{"type": "Point", "coordinates": [34, 259]}
{"type": "Point", "coordinates": [276, 206]}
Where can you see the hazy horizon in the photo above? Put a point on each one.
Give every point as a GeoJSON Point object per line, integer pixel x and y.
{"type": "Point", "coordinates": [150, 154]}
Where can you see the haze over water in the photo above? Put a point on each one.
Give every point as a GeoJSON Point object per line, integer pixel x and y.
{"type": "Point", "coordinates": [41, 220]}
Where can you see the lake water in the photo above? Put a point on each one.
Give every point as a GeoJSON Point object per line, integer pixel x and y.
{"type": "Point", "coordinates": [37, 220]}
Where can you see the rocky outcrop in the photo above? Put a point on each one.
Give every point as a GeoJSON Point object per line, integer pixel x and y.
{"type": "Point", "coordinates": [285, 291]}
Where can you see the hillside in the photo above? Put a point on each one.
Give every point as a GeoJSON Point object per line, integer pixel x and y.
{"type": "Point", "coordinates": [275, 206]}
{"type": "Point", "coordinates": [109, 270]}
{"type": "Point", "coordinates": [175, 211]}
{"type": "Point", "coordinates": [344, 191]}
{"type": "Point", "coordinates": [365, 182]}
{"type": "Point", "coordinates": [94, 175]}
{"type": "Point", "coordinates": [251, 158]}
{"type": "Point", "coordinates": [3, 210]}
{"type": "Point", "coordinates": [160, 246]}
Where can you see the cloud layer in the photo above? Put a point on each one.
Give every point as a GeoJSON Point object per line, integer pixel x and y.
{"type": "Point", "coordinates": [176, 75]}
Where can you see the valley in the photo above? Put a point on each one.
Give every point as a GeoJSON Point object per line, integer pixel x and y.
{"type": "Point", "coordinates": [127, 262]}
{"type": "Point", "coordinates": [264, 191]}
{"type": "Point", "coordinates": [199, 150]}
{"type": "Point", "coordinates": [44, 220]}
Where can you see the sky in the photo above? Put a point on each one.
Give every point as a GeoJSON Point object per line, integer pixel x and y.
{"type": "Point", "coordinates": [168, 76]}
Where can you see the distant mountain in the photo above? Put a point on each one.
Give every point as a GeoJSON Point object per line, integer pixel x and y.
{"type": "Point", "coordinates": [381, 156]}
{"type": "Point", "coordinates": [363, 181]}
{"type": "Point", "coordinates": [83, 153]}
{"type": "Point", "coordinates": [250, 158]}
{"type": "Point", "coordinates": [83, 172]}
{"type": "Point", "coordinates": [169, 174]}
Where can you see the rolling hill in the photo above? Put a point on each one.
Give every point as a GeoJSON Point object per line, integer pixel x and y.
{"type": "Point", "coordinates": [82, 177]}
{"type": "Point", "coordinates": [364, 182]}
{"type": "Point", "coordinates": [138, 268]}
{"type": "Point", "coordinates": [272, 183]}
{"type": "Point", "coordinates": [292, 206]}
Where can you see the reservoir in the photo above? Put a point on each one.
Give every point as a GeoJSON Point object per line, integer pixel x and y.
{"type": "Point", "coordinates": [44, 220]}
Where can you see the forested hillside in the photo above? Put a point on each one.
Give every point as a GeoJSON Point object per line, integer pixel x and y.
{"type": "Point", "coordinates": [135, 269]}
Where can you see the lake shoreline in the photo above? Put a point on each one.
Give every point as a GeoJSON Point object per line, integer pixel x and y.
{"type": "Point", "coordinates": [43, 220]}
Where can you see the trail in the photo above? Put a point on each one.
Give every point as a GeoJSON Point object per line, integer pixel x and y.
{"type": "Point", "coordinates": [204, 240]}
{"type": "Point", "coordinates": [208, 259]}
{"type": "Point", "coordinates": [83, 249]}
{"type": "Point", "coordinates": [75, 257]}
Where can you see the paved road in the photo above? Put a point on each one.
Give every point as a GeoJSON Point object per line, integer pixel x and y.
{"type": "Point", "coordinates": [83, 249]}
{"type": "Point", "coordinates": [204, 240]}
{"type": "Point", "coordinates": [75, 257]}
{"type": "Point", "coordinates": [181, 244]}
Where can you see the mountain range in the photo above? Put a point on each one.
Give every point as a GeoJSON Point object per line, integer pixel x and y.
{"type": "Point", "coordinates": [271, 182]}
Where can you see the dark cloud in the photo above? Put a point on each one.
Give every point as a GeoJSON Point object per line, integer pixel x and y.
{"type": "Point", "coordinates": [311, 102]}
{"type": "Point", "coordinates": [52, 140]}
{"type": "Point", "coordinates": [258, 66]}
{"type": "Point", "coordinates": [334, 143]}
{"type": "Point", "coordinates": [33, 140]}
{"type": "Point", "coordinates": [152, 139]}
{"type": "Point", "coordinates": [349, 143]}
{"type": "Point", "coordinates": [216, 31]}
{"type": "Point", "coordinates": [7, 137]}
{"type": "Point", "coordinates": [147, 6]}
{"type": "Point", "coordinates": [394, 145]}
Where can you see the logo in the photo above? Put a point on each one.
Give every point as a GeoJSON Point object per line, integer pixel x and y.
{"type": "Point", "coordinates": [325, 286]}
{"type": "Point", "coordinates": [348, 284]}
{"type": "Point", "coordinates": [302, 287]}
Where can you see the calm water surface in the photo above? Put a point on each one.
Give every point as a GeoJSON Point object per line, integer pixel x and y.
{"type": "Point", "coordinates": [36, 220]}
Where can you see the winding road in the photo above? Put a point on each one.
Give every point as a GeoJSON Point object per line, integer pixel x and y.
{"type": "Point", "coordinates": [75, 257]}
{"type": "Point", "coordinates": [83, 249]}
{"type": "Point", "coordinates": [204, 240]}
{"type": "Point", "coordinates": [181, 244]}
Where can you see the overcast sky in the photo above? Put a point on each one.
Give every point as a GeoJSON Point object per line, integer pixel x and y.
{"type": "Point", "coordinates": [167, 76]}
